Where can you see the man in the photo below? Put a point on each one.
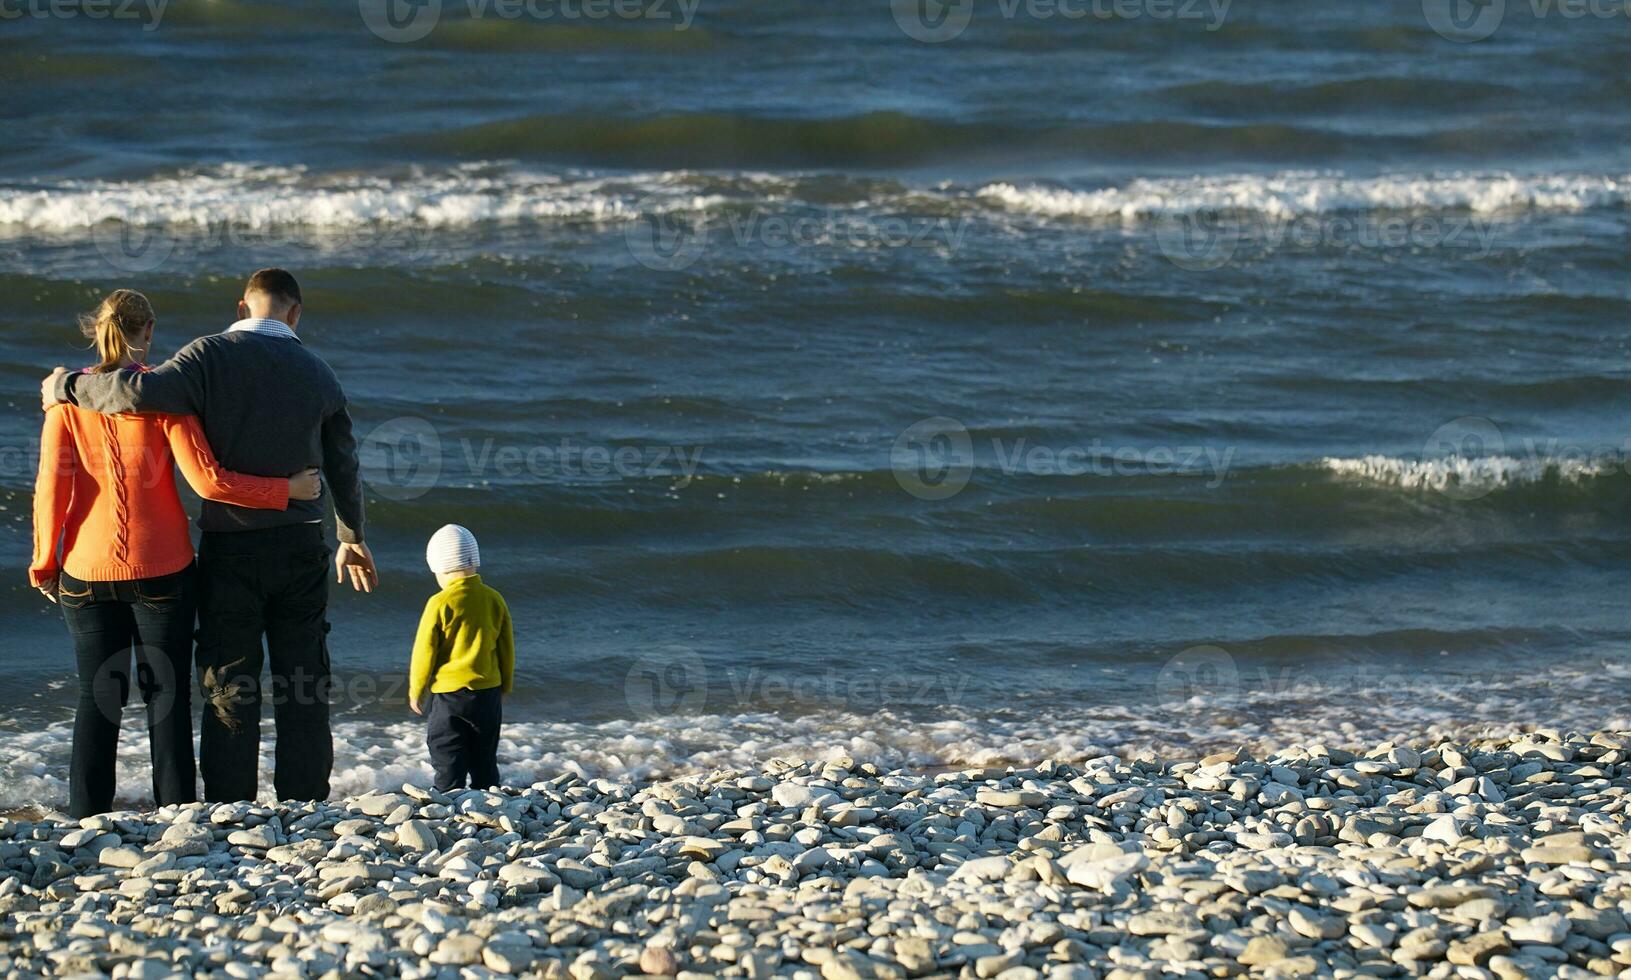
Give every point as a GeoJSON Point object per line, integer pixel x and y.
{"type": "Point", "coordinates": [269, 407]}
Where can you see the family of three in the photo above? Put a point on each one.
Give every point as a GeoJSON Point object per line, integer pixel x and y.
{"type": "Point", "coordinates": [259, 426]}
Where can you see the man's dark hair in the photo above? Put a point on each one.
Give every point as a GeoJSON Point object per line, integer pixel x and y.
{"type": "Point", "coordinates": [276, 283]}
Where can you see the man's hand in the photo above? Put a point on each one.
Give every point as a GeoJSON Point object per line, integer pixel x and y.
{"type": "Point", "coordinates": [357, 561]}
{"type": "Point", "coordinates": [49, 589]}
{"type": "Point", "coordinates": [48, 387]}
{"type": "Point", "coordinates": [416, 708]}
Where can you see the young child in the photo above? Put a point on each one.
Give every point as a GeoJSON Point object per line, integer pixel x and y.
{"type": "Point", "coordinates": [465, 655]}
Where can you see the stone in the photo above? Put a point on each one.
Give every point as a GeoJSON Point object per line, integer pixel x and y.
{"type": "Point", "coordinates": [702, 848]}
{"type": "Point", "coordinates": [1010, 798]}
{"type": "Point", "coordinates": [1163, 924]}
{"type": "Point", "coordinates": [1263, 950]}
{"type": "Point", "coordinates": [1314, 926]}
{"type": "Point", "coordinates": [1545, 930]}
{"type": "Point", "coordinates": [379, 804]}
{"type": "Point", "coordinates": [1558, 855]}
{"type": "Point", "coordinates": [1446, 829]}
{"type": "Point", "coordinates": [797, 795]}
{"type": "Point", "coordinates": [1476, 950]}
{"type": "Point", "coordinates": [510, 959]}
{"type": "Point", "coordinates": [1107, 873]}
{"type": "Point", "coordinates": [1448, 896]}
{"type": "Point", "coordinates": [527, 878]}
{"type": "Point", "coordinates": [993, 868]}
{"type": "Point", "coordinates": [416, 835]}
{"type": "Point", "coordinates": [659, 961]}
{"type": "Point", "coordinates": [1373, 934]}
{"type": "Point", "coordinates": [259, 838]}
{"type": "Point", "coordinates": [121, 857]}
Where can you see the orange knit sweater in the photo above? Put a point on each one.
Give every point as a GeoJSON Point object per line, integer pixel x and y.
{"type": "Point", "coordinates": [107, 492]}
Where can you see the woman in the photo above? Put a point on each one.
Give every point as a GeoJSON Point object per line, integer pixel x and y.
{"type": "Point", "coordinates": [106, 493]}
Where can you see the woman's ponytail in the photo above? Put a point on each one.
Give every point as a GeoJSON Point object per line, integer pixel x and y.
{"type": "Point", "coordinates": [115, 325]}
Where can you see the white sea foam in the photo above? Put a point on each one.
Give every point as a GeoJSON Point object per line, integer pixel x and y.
{"type": "Point", "coordinates": [1255, 707]}
{"type": "Point", "coordinates": [259, 197]}
{"type": "Point", "coordinates": [1289, 195]}
{"type": "Point", "coordinates": [1466, 473]}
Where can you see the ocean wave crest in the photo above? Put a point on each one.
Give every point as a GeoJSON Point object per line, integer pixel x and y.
{"type": "Point", "coordinates": [263, 197]}
{"type": "Point", "coordinates": [1288, 195]}
{"type": "Point", "coordinates": [1481, 473]}
{"type": "Point", "coordinates": [260, 197]}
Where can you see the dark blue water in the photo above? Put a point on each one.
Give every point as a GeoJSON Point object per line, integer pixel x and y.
{"type": "Point", "coordinates": [1072, 381]}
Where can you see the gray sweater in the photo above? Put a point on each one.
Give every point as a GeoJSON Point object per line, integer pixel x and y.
{"type": "Point", "coordinates": [269, 406]}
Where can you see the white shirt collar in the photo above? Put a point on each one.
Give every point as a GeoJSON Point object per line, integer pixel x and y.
{"type": "Point", "coordinates": [265, 325]}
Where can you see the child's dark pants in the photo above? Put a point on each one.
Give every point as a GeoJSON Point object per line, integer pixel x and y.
{"type": "Point", "coordinates": [462, 735]}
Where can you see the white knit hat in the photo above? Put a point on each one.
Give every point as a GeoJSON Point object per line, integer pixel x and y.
{"type": "Point", "coordinates": [451, 549]}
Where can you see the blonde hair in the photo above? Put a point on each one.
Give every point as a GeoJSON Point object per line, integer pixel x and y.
{"type": "Point", "coordinates": [118, 320]}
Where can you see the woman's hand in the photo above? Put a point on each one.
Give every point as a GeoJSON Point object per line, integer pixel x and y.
{"type": "Point", "coordinates": [49, 589]}
{"type": "Point", "coordinates": [306, 485]}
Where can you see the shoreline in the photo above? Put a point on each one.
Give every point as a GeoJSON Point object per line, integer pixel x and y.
{"type": "Point", "coordinates": [1506, 857]}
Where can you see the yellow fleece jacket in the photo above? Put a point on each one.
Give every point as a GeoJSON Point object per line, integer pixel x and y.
{"type": "Point", "coordinates": [466, 640]}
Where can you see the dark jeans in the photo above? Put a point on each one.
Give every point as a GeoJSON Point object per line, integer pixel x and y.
{"type": "Point", "coordinates": [461, 731]}
{"type": "Point", "coordinates": [271, 584]}
{"type": "Point", "coordinates": [109, 621]}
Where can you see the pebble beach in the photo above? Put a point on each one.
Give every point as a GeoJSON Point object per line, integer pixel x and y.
{"type": "Point", "coordinates": [1480, 857]}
